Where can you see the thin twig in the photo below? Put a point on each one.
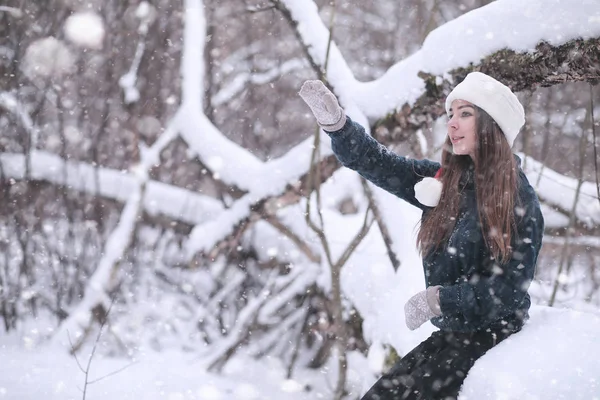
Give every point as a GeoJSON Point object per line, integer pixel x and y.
{"type": "Point", "coordinates": [256, 9]}
{"type": "Point", "coordinates": [75, 354]}
{"type": "Point", "coordinates": [112, 373]}
{"type": "Point", "coordinates": [356, 240]}
{"type": "Point", "coordinates": [296, 348]}
{"type": "Point", "coordinates": [86, 370]}
{"type": "Point", "coordinates": [594, 138]}
{"type": "Point", "coordinates": [385, 233]}
{"type": "Point", "coordinates": [304, 248]}
{"type": "Point", "coordinates": [565, 250]}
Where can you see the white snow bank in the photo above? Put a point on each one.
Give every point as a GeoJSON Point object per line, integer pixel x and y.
{"type": "Point", "coordinates": [51, 374]}
{"type": "Point", "coordinates": [555, 356]}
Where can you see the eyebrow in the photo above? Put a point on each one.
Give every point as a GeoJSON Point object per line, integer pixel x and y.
{"type": "Point", "coordinates": [463, 106]}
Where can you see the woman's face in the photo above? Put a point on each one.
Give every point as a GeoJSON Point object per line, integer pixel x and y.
{"type": "Point", "coordinates": [462, 128]}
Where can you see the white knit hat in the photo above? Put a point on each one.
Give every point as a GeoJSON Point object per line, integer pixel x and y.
{"type": "Point", "coordinates": [493, 97]}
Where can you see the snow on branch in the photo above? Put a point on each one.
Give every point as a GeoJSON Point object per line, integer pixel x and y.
{"type": "Point", "coordinates": [573, 61]}
{"type": "Point", "coordinates": [290, 286]}
{"type": "Point", "coordinates": [314, 36]}
{"type": "Point", "coordinates": [127, 81]}
{"type": "Point", "coordinates": [401, 84]}
{"type": "Point", "coordinates": [228, 162]}
{"type": "Point", "coordinates": [238, 84]}
{"type": "Point", "coordinates": [287, 186]}
{"type": "Point", "coordinates": [468, 40]}
{"type": "Point", "coordinates": [145, 14]}
{"type": "Point", "coordinates": [12, 11]}
{"type": "Point", "coordinates": [103, 279]}
{"type": "Point", "coordinates": [11, 104]}
{"type": "Point", "coordinates": [222, 350]}
{"type": "Point", "coordinates": [161, 198]}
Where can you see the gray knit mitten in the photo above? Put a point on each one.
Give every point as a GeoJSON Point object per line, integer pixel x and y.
{"type": "Point", "coordinates": [324, 105]}
{"type": "Point", "coordinates": [422, 307]}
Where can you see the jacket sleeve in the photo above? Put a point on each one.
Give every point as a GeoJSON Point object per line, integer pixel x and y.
{"type": "Point", "coordinates": [357, 150]}
{"type": "Point", "coordinates": [486, 299]}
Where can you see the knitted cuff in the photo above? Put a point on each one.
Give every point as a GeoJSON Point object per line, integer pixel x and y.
{"type": "Point", "coordinates": [338, 125]}
{"type": "Point", "coordinates": [433, 300]}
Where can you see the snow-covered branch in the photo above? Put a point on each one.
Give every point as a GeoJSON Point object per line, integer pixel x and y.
{"type": "Point", "coordinates": [145, 13]}
{"type": "Point", "coordinates": [11, 104]}
{"type": "Point", "coordinates": [444, 50]}
{"type": "Point", "coordinates": [103, 279]}
{"type": "Point", "coordinates": [12, 11]}
{"type": "Point", "coordinates": [174, 202]}
{"type": "Point", "coordinates": [314, 37]}
{"type": "Point", "coordinates": [222, 350]}
{"type": "Point", "coordinates": [240, 82]}
{"type": "Point", "coordinates": [228, 162]}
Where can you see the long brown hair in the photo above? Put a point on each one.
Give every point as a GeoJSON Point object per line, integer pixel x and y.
{"type": "Point", "coordinates": [495, 177]}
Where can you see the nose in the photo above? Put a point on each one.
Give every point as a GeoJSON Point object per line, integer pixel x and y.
{"type": "Point", "coordinates": [452, 123]}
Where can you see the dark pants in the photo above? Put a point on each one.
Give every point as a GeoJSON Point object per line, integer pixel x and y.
{"type": "Point", "coordinates": [436, 368]}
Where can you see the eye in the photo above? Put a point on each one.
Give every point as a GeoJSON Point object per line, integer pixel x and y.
{"type": "Point", "coordinates": [466, 114]}
{"type": "Point", "coordinates": [450, 116]}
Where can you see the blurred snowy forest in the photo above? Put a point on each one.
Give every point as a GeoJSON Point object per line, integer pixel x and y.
{"type": "Point", "coordinates": [156, 156]}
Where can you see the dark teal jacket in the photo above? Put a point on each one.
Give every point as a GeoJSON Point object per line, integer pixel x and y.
{"type": "Point", "coordinates": [477, 293]}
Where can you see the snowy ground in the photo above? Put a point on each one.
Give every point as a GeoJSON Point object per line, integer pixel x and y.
{"type": "Point", "coordinates": [52, 374]}
{"type": "Point", "coordinates": [556, 356]}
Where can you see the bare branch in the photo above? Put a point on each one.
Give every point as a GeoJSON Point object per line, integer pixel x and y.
{"type": "Point", "coordinates": [566, 246]}
{"type": "Point", "coordinates": [257, 9]}
{"type": "Point", "coordinates": [75, 353]}
{"type": "Point", "coordinates": [356, 240]}
{"type": "Point", "coordinates": [301, 244]}
{"type": "Point", "coordinates": [594, 138]}
{"type": "Point", "coordinates": [385, 233]}
{"type": "Point", "coordinates": [112, 373]}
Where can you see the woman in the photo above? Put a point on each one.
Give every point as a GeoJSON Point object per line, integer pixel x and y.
{"type": "Point", "coordinates": [480, 235]}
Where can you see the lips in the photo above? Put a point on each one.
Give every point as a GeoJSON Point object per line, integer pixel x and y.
{"type": "Point", "coordinates": [456, 139]}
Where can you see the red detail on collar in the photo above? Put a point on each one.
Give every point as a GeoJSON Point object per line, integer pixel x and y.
{"type": "Point", "coordinates": [438, 174]}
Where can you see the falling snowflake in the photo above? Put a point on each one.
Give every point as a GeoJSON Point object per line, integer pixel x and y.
{"type": "Point", "coordinates": [85, 29]}
{"type": "Point", "coordinates": [48, 58]}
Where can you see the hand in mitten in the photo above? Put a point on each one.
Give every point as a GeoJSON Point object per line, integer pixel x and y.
{"type": "Point", "coordinates": [324, 105]}
{"type": "Point", "coordinates": [422, 307]}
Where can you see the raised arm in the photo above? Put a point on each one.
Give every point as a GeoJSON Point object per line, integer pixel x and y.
{"type": "Point", "coordinates": [362, 153]}
{"type": "Point", "coordinates": [359, 151]}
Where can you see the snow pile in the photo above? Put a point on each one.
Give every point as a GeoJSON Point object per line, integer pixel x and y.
{"type": "Point", "coordinates": [52, 374]}
{"type": "Point", "coordinates": [555, 356]}
{"type": "Point", "coordinates": [48, 58]}
{"type": "Point", "coordinates": [85, 29]}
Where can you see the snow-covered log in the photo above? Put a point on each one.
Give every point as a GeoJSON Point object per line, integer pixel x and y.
{"type": "Point", "coordinates": [555, 356]}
